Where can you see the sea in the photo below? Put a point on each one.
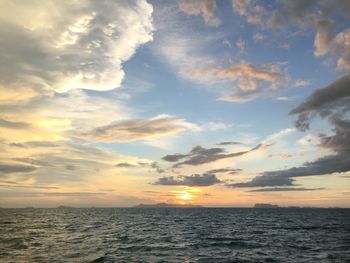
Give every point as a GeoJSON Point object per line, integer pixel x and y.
{"type": "Point", "coordinates": [174, 235]}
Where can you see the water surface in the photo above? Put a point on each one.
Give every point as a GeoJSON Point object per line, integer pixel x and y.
{"type": "Point", "coordinates": [174, 235]}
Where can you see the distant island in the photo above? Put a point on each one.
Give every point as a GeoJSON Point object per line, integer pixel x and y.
{"type": "Point", "coordinates": [166, 205]}
{"type": "Point", "coordinates": [265, 206]}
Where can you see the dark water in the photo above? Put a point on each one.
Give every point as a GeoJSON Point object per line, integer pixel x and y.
{"type": "Point", "coordinates": [175, 235]}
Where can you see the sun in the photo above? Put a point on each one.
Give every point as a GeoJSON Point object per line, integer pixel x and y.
{"type": "Point", "coordinates": [185, 196]}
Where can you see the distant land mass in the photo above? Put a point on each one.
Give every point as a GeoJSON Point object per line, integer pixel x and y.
{"type": "Point", "coordinates": [265, 206]}
{"type": "Point", "coordinates": [166, 205]}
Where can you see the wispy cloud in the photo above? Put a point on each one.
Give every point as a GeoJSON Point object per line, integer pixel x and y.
{"type": "Point", "coordinates": [200, 155]}
{"type": "Point", "coordinates": [6, 168]}
{"type": "Point", "coordinates": [139, 129]}
{"type": "Point", "coordinates": [285, 189]}
{"type": "Point", "coordinates": [245, 81]}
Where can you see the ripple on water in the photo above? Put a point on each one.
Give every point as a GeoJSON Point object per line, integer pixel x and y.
{"type": "Point", "coordinates": [174, 235]}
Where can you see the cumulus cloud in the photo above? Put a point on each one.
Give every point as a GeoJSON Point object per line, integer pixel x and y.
{"type": "Point", "coordinates": [331, 102]}
{"type": "Point", "coordinates": [139, 129]}
{"type": "Point", "coordinates": [205, 179]}
{"type": "Point", "coordinates": [205, 8]}
{"type": "Point", "coordinates": [82, 45]}
{"type": "Point", "coordinates": [246, 81]}
{"type": "Point", "coordinates": [200, 155]}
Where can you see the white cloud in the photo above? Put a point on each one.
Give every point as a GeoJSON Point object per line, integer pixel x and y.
{"type": "Point", "coordinates": [64, 45]}
{"type": "Point", "coordinates": [279, 135]}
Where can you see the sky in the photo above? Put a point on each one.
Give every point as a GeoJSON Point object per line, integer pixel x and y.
{"type": "Point", "coordinates": [214, 103]}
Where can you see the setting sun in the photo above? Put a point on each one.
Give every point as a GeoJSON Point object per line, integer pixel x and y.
{"type": "Point", "coordinates": [185, 196]}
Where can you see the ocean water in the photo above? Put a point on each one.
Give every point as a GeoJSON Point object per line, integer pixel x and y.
{"type": "Point", "coordinates": [174, 235]}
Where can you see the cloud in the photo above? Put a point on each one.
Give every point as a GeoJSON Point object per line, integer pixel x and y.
{"type": "Point", "coordinates": [82, 45]}
{"type": "Point", "coordinates": [341, 47]}
{"type": "Point", "coordinates": [253, 13]}
{"type": "Point", "coordinates": [331, 102]}
{"type": "Point", "coordinates": [281, 155]}
{"type": "Point", "coordinates": [153, 165]}
{"type": "Point", "coordinates": [55, 194]}
{"type": "Point", "coordinates": [229, 143]}
{"type": "Point", "coordinates": [323, 101]}
{"type": "Point", "coordinates": [8, 184]}
{"type": "Point", "coordinates": [246, 81]}
{"type": "Point", "coordinates": [301, 83]}
{"type": "Point", "coordinates": [285, 189]}
{"type": "Point", "coordinates": [13, 125]}
{"type": "Point", "coordinates": [224, 170]}
{"type": "Point", "coordinates": [15, 168]}
{"type": "Point", "coordinates": [205, 8]}
{"type": "Point", "coordinates": [192, 180]}
{"type": "Point", "coordinates": [125, 165]}
{"type": "Point", "coordinates": [158, 169]}
{"type": "Point", "coordinates": [318, 15]}
{"type": "Point", "coordinates": [200, 155]}
{"type": "Point", "coordinates": [265, 180]}
{"type": "Point", "coordinates": [139, 129]}
{"type": "Point", "coordinates": [258, 37]}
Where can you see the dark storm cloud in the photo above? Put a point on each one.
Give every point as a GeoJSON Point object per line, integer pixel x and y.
{"type": "Point", "coordinates": [15, 168]}
{"type": "Point", "coordinates": [191, 180]}
{"type": "Point", "coordinates": [285, 189]}
{"type": "Point", "coordinates": [331, 103]}
{"type": "Point", "coordinates": [200, 155]}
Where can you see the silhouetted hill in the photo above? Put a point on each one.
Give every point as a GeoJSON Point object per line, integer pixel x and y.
{"type": "Point", "coordinates": [265, 206]}
{"type": "Point", "coordinates": [166, 205]}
